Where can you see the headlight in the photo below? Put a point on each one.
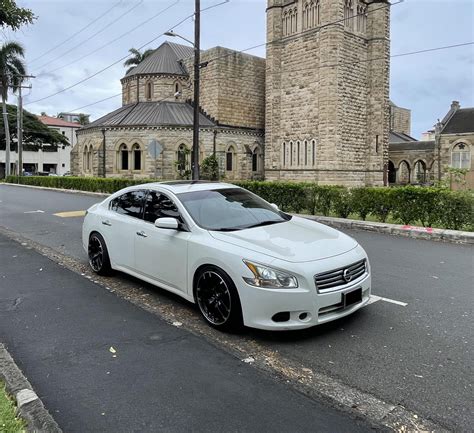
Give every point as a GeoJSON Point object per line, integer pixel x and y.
{"type": "Point", "coordinates": [269, 278]}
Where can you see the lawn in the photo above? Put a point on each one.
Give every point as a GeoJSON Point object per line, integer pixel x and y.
{"type": "Point", "coordinates": [9, 423]}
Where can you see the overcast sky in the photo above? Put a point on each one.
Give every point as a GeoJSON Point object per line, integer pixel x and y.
{"type": "Point", "coordinates": [425, 83]}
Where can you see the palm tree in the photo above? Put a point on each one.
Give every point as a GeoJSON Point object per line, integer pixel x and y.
{"type": "Point", "coordinates": [137, 57]}
{"type": "Point", "coordinates": [83, 119]}
{"type": "Point", "coordinates": [12, 70]}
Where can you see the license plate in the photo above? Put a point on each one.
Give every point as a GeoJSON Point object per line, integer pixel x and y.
{"type": "Point", "coordinates": [351, 298]}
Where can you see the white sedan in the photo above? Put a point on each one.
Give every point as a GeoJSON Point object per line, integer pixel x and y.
{"type": "Point", "coordinates": [238, 257]}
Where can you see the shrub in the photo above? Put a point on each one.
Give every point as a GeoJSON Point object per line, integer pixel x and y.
{"type": "Point", "coordinates": [210, 168]}
{"type": "Point", "coordinates": [342, 202]}
{"type": "Point", "coordinates": [382, 202]}
{"type": "Point", "coordinates": [405, 202]}
{"type": "Point", "coordinates": [456, 210]}
{"type": "Point", "coordinates": [361, 202]}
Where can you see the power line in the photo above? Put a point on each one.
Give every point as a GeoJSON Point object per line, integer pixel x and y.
{"type": "Point", "coordinates": [78, 32]}
{"type": "Point", "coordinates": [124, 57]}
{"type": "Point", "coordinates": [94, 103]}
{"type": "Point", "coordinates": [113, 40]}
{"type": "Point", "coordinates": [80, 44]}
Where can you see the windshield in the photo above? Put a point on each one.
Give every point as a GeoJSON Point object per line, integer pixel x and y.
{"type": "Point", "coordinates": [230, 209]}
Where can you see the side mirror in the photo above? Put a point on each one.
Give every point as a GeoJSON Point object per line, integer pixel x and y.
{"type": "Point", "coordinates": [167, 223]}
{"type": "Point", "coordinates": [275, 206]}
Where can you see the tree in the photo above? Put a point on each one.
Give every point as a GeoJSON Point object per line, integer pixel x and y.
{"type": "Point", "coordinates": [35, 133]}
{"type": "Point", "coordinates": [83, 119]}
{"type": "Point", "coordinates": [13, 16]}
{"type": "Point", "coordinates": [12, 70]}
{"type": "Point", "coordinates": [137, 57]}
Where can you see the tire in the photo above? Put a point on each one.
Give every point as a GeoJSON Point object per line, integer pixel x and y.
{"type": "Point", "coordinates": [217, 299]}
{"type": "Point", "coordinates": [98, 255]}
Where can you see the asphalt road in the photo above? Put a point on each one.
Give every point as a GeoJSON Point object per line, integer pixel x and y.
{"type": "Point", "coordinates": [419, 355]}
{"type": "Point", "coordinates": [61, 327]}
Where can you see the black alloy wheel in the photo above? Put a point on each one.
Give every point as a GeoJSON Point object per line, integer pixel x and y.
{"type": "Point", "coordinates": [218, 300]}
{"type": "Point", "coordinates": [98, 255]}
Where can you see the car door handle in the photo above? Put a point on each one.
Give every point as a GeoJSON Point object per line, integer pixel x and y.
{"type": "Point", "coordinates": [142, 234]}
{"type": "Point", "coordinates": [106, 223]}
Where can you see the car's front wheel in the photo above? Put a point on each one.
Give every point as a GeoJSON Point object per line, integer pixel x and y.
{"type": "Point", "coordinates": [217, 299]}
{"type": "Point", "coordinates": [99, 259]}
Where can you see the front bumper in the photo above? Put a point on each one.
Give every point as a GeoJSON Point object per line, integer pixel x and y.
{"type": "Point", "coordinates": [305, 306]}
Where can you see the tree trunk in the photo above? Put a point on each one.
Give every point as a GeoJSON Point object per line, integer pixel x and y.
{"type": "Point", "coordinates": [7, 138]}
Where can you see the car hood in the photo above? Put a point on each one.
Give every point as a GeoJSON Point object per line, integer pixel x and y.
{"type": "Point", "coordinates": [297, 240]}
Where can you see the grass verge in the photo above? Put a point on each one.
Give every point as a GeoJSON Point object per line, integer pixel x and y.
{"type": "Point", "coordinates": [9, 423]}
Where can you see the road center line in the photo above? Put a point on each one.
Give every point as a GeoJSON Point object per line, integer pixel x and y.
{"type": "Point", "coordinates": [375, 298]}
{"type": "Point", "coordinates": [71, 214]}
{"type": "Point", "coordinates": [34, 211]}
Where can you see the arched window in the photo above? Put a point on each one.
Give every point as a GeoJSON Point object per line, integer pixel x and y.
{"type": "Point", "coordinates": [137, 157]}
{"type": "Point", "coordinates": [84, 158]}
{"type": "Point", "coordinates": [256, 156]}
{"type": "Point", "coordinates": [305, 153]}
{"type": "Point", "coordinates": [148, 90]}
{"type": "Point", "coordinates": [348, 14]}
{"type": "Point", "coordinates": [285, 23]}
{"type": "Point", "coordinates": [313, 152]}
{"type": "Point", "coordinates": [229, 158]}
{"type": "Point", "coordinates": [420, 171]}
{"type": "Point", "coordinates": [182, 157]}
{"type": "Point", "coordinates": [123, 157]}
{"type": "Point", "coordinates": [177, 89]}
{"type": "Point", "coordinates": [283, 154]}
{"type": "Point", "coordinates": [305, 16]}
{"type": "Point", "coordinates": [291, 153]}
{"type": "Point", "coordinates": [298, 153]}
{"type": "Point", "coordinates": [461, 156]}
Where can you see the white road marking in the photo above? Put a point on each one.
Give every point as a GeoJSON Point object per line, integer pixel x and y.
{"type": "Point", "coordinates": [375, 298]}
{"type": "Point", "coordinates": [34, 211]}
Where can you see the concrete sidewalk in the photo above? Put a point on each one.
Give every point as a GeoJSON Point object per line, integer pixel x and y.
{"type": "Point", "coordinates": [59, 327]}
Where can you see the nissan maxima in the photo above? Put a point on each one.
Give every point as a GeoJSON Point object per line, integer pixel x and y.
{"type": "Point", "coordinates": [239, 258]}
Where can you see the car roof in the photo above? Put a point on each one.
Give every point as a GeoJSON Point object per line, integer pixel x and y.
{"type": "Point", "coordinates": [182, 186]}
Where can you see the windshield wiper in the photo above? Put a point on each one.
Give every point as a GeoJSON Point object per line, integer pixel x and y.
{"type": "Point", "coordinates": [226, 229]}
{"type": "Point", "coordinates": [263, 223]}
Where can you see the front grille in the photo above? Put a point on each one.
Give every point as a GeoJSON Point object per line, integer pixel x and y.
{"type": "Point", "coordinates": [338, 278]}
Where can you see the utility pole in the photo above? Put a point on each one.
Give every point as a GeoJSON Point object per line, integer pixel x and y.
{"type": "Point", "coordinates": [197, 61]}
{"type": "Point", "coordinates": [19, 123]}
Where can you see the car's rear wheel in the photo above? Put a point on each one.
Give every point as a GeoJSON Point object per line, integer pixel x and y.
{"type": "Point", "coordinates": [218, 299]}
{"type": "Point", "coordinates": [99, 259]}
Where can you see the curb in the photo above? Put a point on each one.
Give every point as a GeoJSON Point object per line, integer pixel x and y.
{"type": "Point", "coordinates": [29, 405]}
{"type": "Point", "coordinates": [427, 233]}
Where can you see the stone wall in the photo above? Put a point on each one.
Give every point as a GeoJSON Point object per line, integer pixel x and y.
{"type": "Point", "coordinates": [322, 86]}
{"type": "Point", "coordinates": [241, 142]}
{"type": "Point", "coordinates": [400, 119]}
{"type": "Point", "coordinates": [163, 87]}
{"type": "Point", "coordinates": [447, 143]}
{"type": "Point", "coordinates": [232, 87]}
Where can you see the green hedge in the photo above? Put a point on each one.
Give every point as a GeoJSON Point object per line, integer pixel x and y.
{"type": "Point", "coordinates": [91, 184]}
{"type": "Point", "coordinates": [407, 205]}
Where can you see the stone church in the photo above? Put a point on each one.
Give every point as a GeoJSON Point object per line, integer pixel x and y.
{"type": "Point", "coordinates": [316, 109]}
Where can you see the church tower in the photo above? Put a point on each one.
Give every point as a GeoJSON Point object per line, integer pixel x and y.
{"type": "Point", "coordinates": [327, 91]}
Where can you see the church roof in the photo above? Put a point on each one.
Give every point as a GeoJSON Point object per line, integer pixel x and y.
{"type": "Point", "coordinates": [461, 121]}
{"type": "Point", "coordinates": [411, 145]}
{"type": "Point", "coordinates": [164, 60]}
{"type": "Point", "coordinates": [396, 137]}
{"type": "Point", "coordinates": [151, 114]}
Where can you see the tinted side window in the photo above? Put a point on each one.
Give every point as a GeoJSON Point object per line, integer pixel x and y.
{"type": "Point", "coordinates": [158, 205]}
{"type": "Point", "coordinates": [130, 203]}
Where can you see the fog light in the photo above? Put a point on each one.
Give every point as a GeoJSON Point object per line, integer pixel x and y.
{"type": "Point", "coordinates": [283, 316]}
{"type": "Point", "coordinates": [303, 316]}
